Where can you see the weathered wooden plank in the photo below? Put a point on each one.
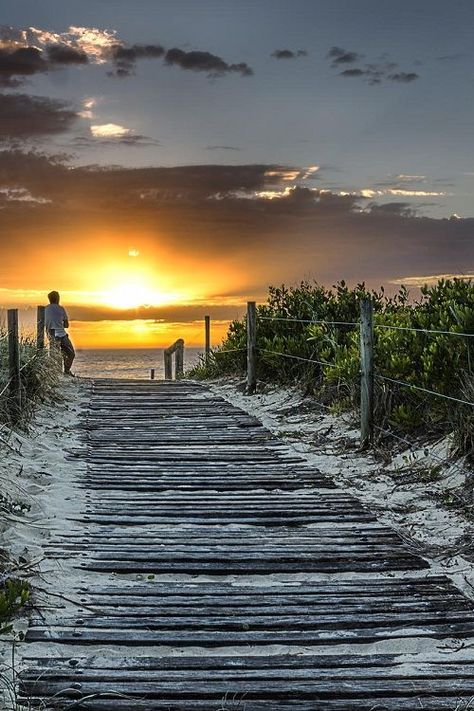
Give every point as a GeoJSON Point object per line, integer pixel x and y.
{"type": "Point", "coordinates": [116, 703]}
{"type": "Point", "coordinates": [219, 638]}
{"type": "Point", "coordinates": [180, 483]}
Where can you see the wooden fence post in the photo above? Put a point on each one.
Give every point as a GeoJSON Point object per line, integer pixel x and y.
{"type": "Point", "coordinates": [168, 366]}
{"type": "Point", "coordinates": [207, 327]}
{"type": "Point", "coordinates": [366, 372]}
{"type": "Point", "coordinates": [251, 347]}
{"type": "Point", "coordinates": [40, 327]}
{"type": "Point", "coordinates": [14, 387]}
{"type": "Point", "coordinates": [179, 359]}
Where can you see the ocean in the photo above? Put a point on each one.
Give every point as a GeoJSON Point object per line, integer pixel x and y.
{"type": "Point", "coordinates": [127, 362]}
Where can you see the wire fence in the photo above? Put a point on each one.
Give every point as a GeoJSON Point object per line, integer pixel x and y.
{"type": "Point", "coordinates": [423, 390]}
{"type": "Point", "coordinates": [378, 383]}
{"type": "Point", "coordinates": [378, 375]}
{"type": "Point", "coordinates": [424, 330]}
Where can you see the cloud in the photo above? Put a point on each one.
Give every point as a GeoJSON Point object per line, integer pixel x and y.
{"type": "Point", "coordinates": [374, 72]}
{"type": "Point", "coordinates": [125, 58]}
{"type": "Point", "coordinates": [431, 279]}
{"type": "Point", "coordinates": [95, 43]}
{"type": "Point", "coordinates": [450, 57]}
{"type": "Point", "coordinates": [15, 195]}
{"type": "Point", "coordinates": [112, 134]}
{"type": "Point", "coordinates": [222, 148]}
{"type": "Point", "coordinates": [62, 54]}
{"type": "Point", "coordinates": [24, 52]}
{"type": "Point", "coordinates": [289, 53]}
{"type": "Point", "coordinates": [109, 130]}
{"type": "Point", "coordinates": [248, 216]}
{"type": "Point", "coordinates": [339, 56]}
{"type": "Point", "coordinates": [405, 77]}
{"type": "Point", "coordinates": [23, 116]}
{"type": "Point", "coordinates": [20, 62]}
{"type": "Point", "coordinates": [213, 65]}
{"type": "Point", "coordinates": [352, 73]}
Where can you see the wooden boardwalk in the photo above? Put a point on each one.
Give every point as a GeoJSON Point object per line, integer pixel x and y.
{"type": "Point", "coordinates": [220, 572]}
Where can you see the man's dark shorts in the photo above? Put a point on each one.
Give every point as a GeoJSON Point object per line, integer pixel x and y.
{"type": "Point", "coordinates": [67, 350]}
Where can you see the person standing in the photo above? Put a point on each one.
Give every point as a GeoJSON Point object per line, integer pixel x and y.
{"type": "Point", "coordinates": [56, 322]}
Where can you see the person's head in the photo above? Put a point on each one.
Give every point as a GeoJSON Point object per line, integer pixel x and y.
{"type": "Point", "coordinates": [53, 297]}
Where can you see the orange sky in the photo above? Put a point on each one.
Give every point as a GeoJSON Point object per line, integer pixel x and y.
{"type": "Point", "coordinates": [139, 256]}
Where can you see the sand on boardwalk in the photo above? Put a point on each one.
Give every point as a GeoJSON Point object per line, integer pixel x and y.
{"type": "Point", "coordinates": [406, 491]}
{"type": "Point", "coordinates": [35, 469]}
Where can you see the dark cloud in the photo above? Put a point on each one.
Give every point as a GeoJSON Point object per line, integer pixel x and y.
{"type": "Point", "coordinates": [17, 63]}
{"type": "Point", "coordinates": [62, 54]}
{"type": "Point", "coordinates": [131, 139]}
{"type": "Point", "coordinates": [23, 116]}
{"type": "Point", "coordinates": [213, 65]}
{"type": "Point", "coordinates": [404, 77]}
{"type": "Point", "coordinates": [352, 73]}
{"type": "Point", "coordinates": [179, 313]}
{"type": "Point", "coordinates": [222, 148]}
{"type": "Point", "coordinates": [125, 58]}
{"type": "Point", "coordinates": [30, 51]}
{"type": "Point", "coordinates": [374, 73]}
{"type": "Point", "coordinates": [240, 215]}
{"type": "Point", "coordinates": [289, 53]}
{"type": "Point", "coordinates": [339, 56]}
{"type": "Point", "coordinates": [402, 209]}
{"type": "Point", "coordinates": [450, 57]}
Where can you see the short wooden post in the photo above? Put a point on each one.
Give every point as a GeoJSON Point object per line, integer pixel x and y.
{"type": "Point", "coordinates": [14, 387]}
{"type": "Point", "coordinates": [366, 372]}
{"type": "Point", "coordinates": [179, 359]}
{"type": "Point", "coordinates": [152, 374]}
{"type": "Point", "coordinates": [207, 326]}
{"type": "Point", "coordinates": [40, 327]}
{"type": "Point", "coordinates": [168, 366]}
{"type": "Point", "coordinates": [251, 347]}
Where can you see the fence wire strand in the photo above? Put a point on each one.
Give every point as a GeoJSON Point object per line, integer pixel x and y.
{"type": "Point", "coordinates": [230, 350]}
{"type": "Point", "coordinates": [304, 320]}
{"type": "Point", "coordinates": [287, 355]}
{"type": "Point", "coordinates": [424, 330]}
{"type": "Point", "coordinates": [423, 390]}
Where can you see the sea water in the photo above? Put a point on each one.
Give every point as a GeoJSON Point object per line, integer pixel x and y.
{"type": "Point", "coordinates": [127, 362]}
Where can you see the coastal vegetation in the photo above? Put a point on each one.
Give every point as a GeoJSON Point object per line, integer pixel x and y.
{"type": "Point", "coordinates": [309, 335]}
{"type": "Point", "coordinates": [39, 372]}
{"type": "Point", "coordinates": [39, 377]}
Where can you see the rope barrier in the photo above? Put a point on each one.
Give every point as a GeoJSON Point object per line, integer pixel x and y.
{"type": "Point", "coordinates": [424, 390]}
{"type": "Point", "coordinates": [303, 320]}
{"type": "Point", "coordinates": [287, 355]}
{"type": "Point", "coordinates": [425, 330]}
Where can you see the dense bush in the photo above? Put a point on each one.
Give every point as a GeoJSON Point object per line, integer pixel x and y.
{"type": "Point", "coordinates": [440, 362]}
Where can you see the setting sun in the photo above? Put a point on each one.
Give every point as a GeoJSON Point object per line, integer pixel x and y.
{"type": "Point", "coordinates": [132, 294]}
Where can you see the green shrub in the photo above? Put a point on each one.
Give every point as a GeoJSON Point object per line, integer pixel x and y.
{"type": "Point", "coordinates": [443, 363]}
{"type": "Point", "coordinates": [14, 594]}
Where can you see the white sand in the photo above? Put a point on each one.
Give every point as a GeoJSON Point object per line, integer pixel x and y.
{"type": "Point", "coordinates": [392, 489]}
{"type": "Point", "coordinates": [39, 473]}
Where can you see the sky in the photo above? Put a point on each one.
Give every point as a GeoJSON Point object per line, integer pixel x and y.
{"type": "Point", "coordinates": [164, 159]}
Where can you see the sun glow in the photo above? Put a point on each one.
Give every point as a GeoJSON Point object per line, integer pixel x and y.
{"type": "Point", "coordinates": [133, 294]}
